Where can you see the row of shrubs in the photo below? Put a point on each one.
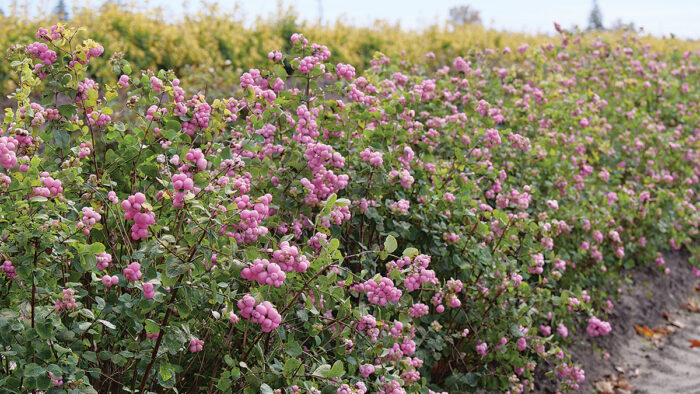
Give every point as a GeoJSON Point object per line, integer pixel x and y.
{"type": "Point", "coordinates": [416, 227]}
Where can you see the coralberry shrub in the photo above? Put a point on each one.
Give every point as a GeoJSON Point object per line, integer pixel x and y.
{"type": "Point", "coordinates": [416, 228]}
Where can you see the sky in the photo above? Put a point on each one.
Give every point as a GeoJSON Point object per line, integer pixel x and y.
{"type": "Point", "coordinates": [658, 17]}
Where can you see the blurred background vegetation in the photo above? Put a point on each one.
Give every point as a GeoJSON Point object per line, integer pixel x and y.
{"type": "Point", "coordinates": [211, 48]}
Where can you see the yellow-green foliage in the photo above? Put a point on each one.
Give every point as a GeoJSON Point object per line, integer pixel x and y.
{"type": "Point", "coordinates": [211, 48]}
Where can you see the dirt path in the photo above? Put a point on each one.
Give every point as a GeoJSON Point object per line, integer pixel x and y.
{"type": "Point", "coordinates": [663, 362]}
{"type": "Point", "coordinates": [659, 362]}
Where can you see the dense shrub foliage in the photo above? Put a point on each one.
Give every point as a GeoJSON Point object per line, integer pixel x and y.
{"type": "Point", "coordinates": [413, 228]}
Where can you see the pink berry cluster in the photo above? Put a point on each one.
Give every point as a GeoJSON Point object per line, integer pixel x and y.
{"type": "Point", "coordinates": [8, 147]}
{"type": "Point", "coordinates": [154, 113]}
{"type": "Point", "coordinates": [54, 33]}
{"type": "Point", "coordinates": [306, 125]}
{"type": "Point", "coordinates": [573, 375]}
{"type": "Point", "coordinates": [56, 381]}
{"type": "Point", "coordinates": [67, 302]}
{"type": "Point", "coordinates": [405, 178]}
{"type": "Point", "coordinates": [52, 187]}
{"type": "Point", "coordinates": [109, 281]}
{"type": "Point", "coordinates": [538, 259]}
{"type": "Point", "coordinates": [597, 327]}
{"type": "Point", "coordinates": [275, 56]}
{"type": "Point", "coordinates": [325, 182]}
{"type": "Point", "coordinates": [380, 292]}
{"type": "Point", "coordinates": [124, 81]}
{"type": "Point", "coordinates": [372, 157]}
{"type": "Point", "coordinates": [264, 272]}
{"type": "Point", "coordinates": [85, 150]}
{"type": "Point", "coordinates": [90, 218]}
{"type": "Point", "coordinates": [132, 273]}
{"type": "Point", "coordinates": [84, 87]}
{"type": "Point", "coordinates": [182, 183]}
{"type": "Point", "coordinates": [103, 260]}
{"type": "Point", "coordinates": [112, 197]}
{"type": "Point", "coordinates": [42, 52]}
{"type": "Point", "coordinates": [416, 279]}
{"type": "Point", "coordinates": [148, 290]}
{"type": "Point", "coordinates": [96, 118]}
{"type": "Point", "coordinates": [264, 313]}
{"type": "Point", "coordinates": [366, 370]}
{"type": "Point", "coordinates": [8, 269]}
{"type": "Point", "coordinates": [196, 345]}
{"type": "Point", "coordinates": [357, 388]}
{"type": "Point", "coordinates": [156, 84]}
{"type": "Point", "coordinates": [201, 111]}
{"type": "Point", "coordinates": [233, 318]}
{"type": "Point", "coordinates": [418, 309]}
{"type": "Point", "coordinates": [85, 51]}
{"type": "Point", "coordinates": [250, 227]}
{"type": "Point", "coordinates": [289, 259]}
{"type": "Point", "coordinates": [400, 207]}
{"type": "Point", "coordinates": [197, 157]}
{"type": "Point", "coordinates": [345, 71]}
{"type": "Point", "coordinates": [133, 207]}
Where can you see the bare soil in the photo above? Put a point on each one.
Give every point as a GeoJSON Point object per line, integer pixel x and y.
{"type": "Point", "coordinates": [637, 362]}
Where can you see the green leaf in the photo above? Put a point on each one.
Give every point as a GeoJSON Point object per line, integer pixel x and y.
{"type": "Point", "coordinates": [96, 248]}
{"type": "Point", "coordinates": [174, 267]}
{"type": "Point", "coordinates": [107, 324]}
{"type": "Point", "coordinates": [293, 349]}
{"type": "Point", "coordinates": [337, 370]}
{"type": "Point", "coordinates": [183, 307]}
{"type": "Point", "coordinates": [62, 138]}
{"type": "Point", "coordinates": [87, 263]}
{"type": "Point", "coordinates": [410, 252]}
{"type": "Point", "coordinates": [290, 366]}
{"type": "Point", "coordinates": [90, 356]}
{"type": "Point", "coordinates": [390, 244]}
{"type": "Point", "coordinates": [44, 328]}
{"type": "Point", "coordinates": [165, 371]}
{"type": "Point", "coordinates": [33, 370]}
{"type": "Point", "coordinates": [173, 125]}
{"type": "Point", "coordinates": [330, 203]}
{"type": "Point", "coordinates": [322, 370]}
{"type": "Point", "coordinates": [67, 111]}
{"type": "Point", "coordinates": [87, 313]}
{"type": "Point", "coordinates": [119, 126]}
{"type": "Point", "coordinates": [515, 331]}
{"type": "Point", "coordinates": [152, 327]}
{"type": "Point", "coordinates": [333, 244]}
{"type": "Point", "coordinates": [265, 389]}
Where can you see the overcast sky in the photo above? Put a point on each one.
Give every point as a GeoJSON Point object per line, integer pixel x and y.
{"type": "Point", "coordinates": [659, 17]}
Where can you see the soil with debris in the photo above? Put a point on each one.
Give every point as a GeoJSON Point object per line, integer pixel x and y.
{"type": "Point", "coordinates": [669, 365]}
{"type": "Point", "coordinates": [649, 345]}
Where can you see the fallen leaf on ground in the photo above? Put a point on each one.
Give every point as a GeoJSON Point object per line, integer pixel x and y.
{"type": "Point", "coordinates": [692, 305]}
{"type": "Point", "coordinates": [646, 331]}
{"type": "Point", "coordinates": [676, 323]}
{"type": "Point", "coordinates": [694, 343]}
{"type": "Point", "coordinates": [613, 384]}
{"type": "Point", "coordinates": [654, 335]}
